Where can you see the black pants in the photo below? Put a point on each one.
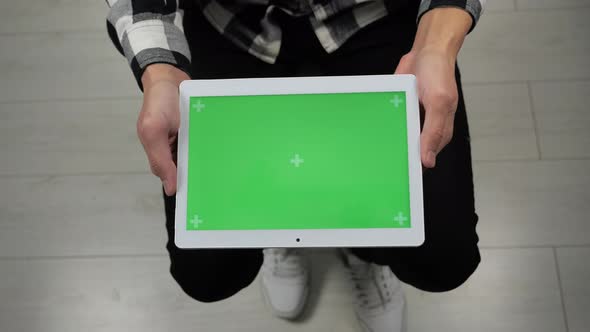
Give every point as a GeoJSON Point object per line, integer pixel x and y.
{"type": "Point", "coordinates": [450, 253]}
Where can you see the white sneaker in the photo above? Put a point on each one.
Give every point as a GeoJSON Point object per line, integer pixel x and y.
{"type": "Point", "coordinates": [380, 304]}
{"type": "Point", "coordinates": [285, 281]}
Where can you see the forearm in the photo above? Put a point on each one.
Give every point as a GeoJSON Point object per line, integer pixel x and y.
{"type": "Point", "coordinates": [443, 30]}
{"type": "Point", "coordinates": [160, 72]}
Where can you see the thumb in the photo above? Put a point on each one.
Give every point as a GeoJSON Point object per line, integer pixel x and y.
{"type": "Point", "coordinates": [162, 165]}
{"type": "Point", "coordinates": [433, 135]}
{"type": "Point", "coordinates": [159, 154]}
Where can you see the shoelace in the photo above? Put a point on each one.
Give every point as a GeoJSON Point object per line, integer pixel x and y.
{"type": "Point", "coordinates": [284, 262]}
{"type": "Point", "coordinates": [373, 286]}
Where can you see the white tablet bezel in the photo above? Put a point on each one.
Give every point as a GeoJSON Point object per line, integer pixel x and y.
{"type": "Point", "coordinates": [369, 237]}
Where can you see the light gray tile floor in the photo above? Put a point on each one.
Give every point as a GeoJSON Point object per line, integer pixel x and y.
{"type": "Point", "coordinates": [57, 15]}
{"type": "Point", "coordinates": [501, 119]}
{"type": "Point", "coordinates": [528, 45]}
{"type": "Point", "coordinates": [563, 118]}
{"type": "Point", "coordinates": [62, 66]}
{"type": "Point", "coordinates": [499, 5]}
{"type": "Point", "coordinates": [530, 203]}
{"type": "Point", "coordinates": [574, 270]}
{"type": "Point", "coordinates": [81, 221]}
{"type": "Point", "coordinates": [513, 290]}
{"type": "Point", "coordinates": [81, 215]}
{"type": "Point", "coordinates": [96, 136]}
{"type": "Point", "coordinates": [551, 4]}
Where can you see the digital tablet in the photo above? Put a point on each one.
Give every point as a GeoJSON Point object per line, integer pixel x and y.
{"type": "Point", "coordinates": [299, 162]}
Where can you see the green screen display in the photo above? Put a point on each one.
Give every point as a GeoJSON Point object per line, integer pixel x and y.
{"type": "Point", "coordinates": [307, 161]}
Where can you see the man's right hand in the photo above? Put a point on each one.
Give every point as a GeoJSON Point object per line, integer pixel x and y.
{"type": "Point", "coordinates": [159, 120]}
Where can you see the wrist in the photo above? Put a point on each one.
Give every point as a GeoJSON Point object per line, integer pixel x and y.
{"type": "Point", "coordinates": [443, 30]}
{"type": "Point", "coordinates": [162, 72]}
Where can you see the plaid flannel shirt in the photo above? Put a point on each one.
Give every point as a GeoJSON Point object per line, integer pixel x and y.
{"type": "Point", "coordinates": [151, 31]}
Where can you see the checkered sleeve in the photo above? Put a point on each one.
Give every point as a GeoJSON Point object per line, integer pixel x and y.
{"type": "Point", "coordinates": [147, 32]}
{"type": "Point", "coordinates": [473, 7]}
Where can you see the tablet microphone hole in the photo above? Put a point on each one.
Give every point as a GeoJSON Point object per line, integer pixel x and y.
{"type": "Point", "coordinates": [297, 239]}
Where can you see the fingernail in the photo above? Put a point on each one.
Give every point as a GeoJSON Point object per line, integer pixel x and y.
{"type": "Point", "coordinates": [165, 185]}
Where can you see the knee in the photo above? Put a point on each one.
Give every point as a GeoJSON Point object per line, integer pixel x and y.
{"type": "Point", "coordinates": [210, 276]}
{"type": "Point", "coordinates": [196, 289]}
{"type": "Point", "coordinates": [208, 287]}
{"type": "Point", "coordinates": [443, 277]}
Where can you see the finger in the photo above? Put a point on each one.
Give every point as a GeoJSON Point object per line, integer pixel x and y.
{"type": "Point", "coordinates": [154, 138]}
{"type": "Point", "coordinates": [448, 134]}
{"type": "Point", "coordinates": [433, 134]}
{"type": "Point", "coordinates": [440, 105]}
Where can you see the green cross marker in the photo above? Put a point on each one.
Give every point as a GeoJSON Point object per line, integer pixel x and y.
{"type": "Point", "coordinates": [400, 218]}
{"type": "Point", "coordinates": [297, 161]}
{"type": "Point", "coordinates": [397, 101]}
{"type": "Point", "coordinates": [198, 106]}
{"type": "Point", "coordinates": [196, 221]}
{"type": "Point", "coordinates": [307, 161]}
